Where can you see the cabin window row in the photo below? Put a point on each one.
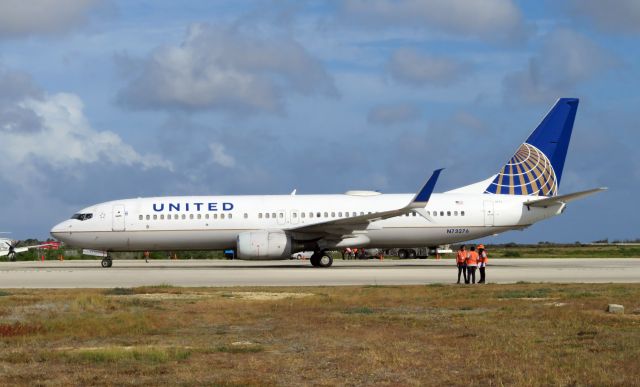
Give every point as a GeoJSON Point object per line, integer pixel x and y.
{"type": "Point", "coordinates": [184, 216]}
{"type": "Point", "coordinates": [295, 215]}
{"type": "Point", "coordinates": [445, 213]}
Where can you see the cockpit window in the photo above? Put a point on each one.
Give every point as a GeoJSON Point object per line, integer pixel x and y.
{"type": "Point", "coordinates": [82, 217]}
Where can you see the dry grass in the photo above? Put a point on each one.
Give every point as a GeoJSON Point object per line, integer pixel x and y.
{"type": "Point", "coordinates": [454, 335]}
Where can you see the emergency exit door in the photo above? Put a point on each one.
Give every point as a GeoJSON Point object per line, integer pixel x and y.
{"type": "Point", "coordinates": [118, 218]}
{"type": "Point", "coordinates": [488, 213]}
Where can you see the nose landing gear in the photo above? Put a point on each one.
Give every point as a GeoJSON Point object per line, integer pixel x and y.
{"type": "Point", "coordinates": [106, 262]}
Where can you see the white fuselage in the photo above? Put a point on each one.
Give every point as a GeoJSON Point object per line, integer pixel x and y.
{"type": "Point", "coordinates": [214, 222]}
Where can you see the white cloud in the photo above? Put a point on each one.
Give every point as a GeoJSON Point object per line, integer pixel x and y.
{"type": "Point", "coordinates": [492, 19]}
{"type": "Point", "coordinates": [224, 69]}
{"type": "Point", "coordinates": [413, 68]}
{"type": "Point", "coordinates": [220, 156]}
{"type": "Point", "coordinates": [19, 18]}
{"type": "Point", "coordinates": [64, 141]}
{"type": "Point", "coordinates": [609, 16]}
{"type": "Point", "coordinates": [565, 60]}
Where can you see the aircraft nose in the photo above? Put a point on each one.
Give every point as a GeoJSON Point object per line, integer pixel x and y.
{"type": "Point", "coordinates": [60, 230]}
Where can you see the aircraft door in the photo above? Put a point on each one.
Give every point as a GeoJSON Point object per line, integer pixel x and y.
{"type": "Point", "coordinates": [488, 213]}
{"type": "Point", "coordinates": [294, 216]}
{"type": "Point", "coordinates": [282, 217]}
{"type": "Point", "coordinates": [118, 218]}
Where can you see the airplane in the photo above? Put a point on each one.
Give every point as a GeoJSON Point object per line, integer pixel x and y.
{"type": "Point", "coordinates": [269, 227]}
{"type": "Point", "coordinates": [8, 247]}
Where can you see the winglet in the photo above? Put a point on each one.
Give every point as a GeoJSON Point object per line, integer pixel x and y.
{"type": "Point", "coordinates": [423, 196]}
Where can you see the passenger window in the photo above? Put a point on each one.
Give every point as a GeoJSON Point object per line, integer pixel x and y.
{"type": "Point", "coordinates": [326, 214]}
{"type": "Point", "coordinates": [148, 217]}
{"type": "Point", "coordinates": [462, 213]}
{"type": "Point", "coordinates": [441, 213]}
{"type": "Point", "coordinates": [340, 214]}
{"type": "Point", "coordinates": [435, 213]}
{"type": "Point", "coordinates": [318, 215]}
{"type": "Point", "coordinates": [221, 216]}
{"type": "Point", "coordinates": [302, 214]}
{"type": "Point", "coordinates": [293, 214]}
{"type": "Point", "coordinates": [140, 217]}
{"type": "Point", "coordinates": [455, 213]}
{"type": "Point", "coordinates": [266, 215]}
{"type": "Point", "coordinates": [448, 213]}
{"type": "Point", "coordinates": [190, 216]}
{"type": "Point", "coordinates": [161, 216]}
{"type": "Point", "coordinates": [281, 215]}
{"type": "Point", "coordinates": [273, 215]}
{"type": "Point", "coordinates": [333, 214]}
{"type": "Point", "coordinates": [199, 216]}
{"type": "Point", "coordinates": [230, 216]}
{"type": "Point", "coordinates": [184, 216]}
{"type": "Point", "coordinates": [246, 216]}
{"type": "Point", "coordinates": [311, 214]}
{"type": "Point", "coordinates": [206, 216]}
{"type": "Point", "coordinates": [259, 215]}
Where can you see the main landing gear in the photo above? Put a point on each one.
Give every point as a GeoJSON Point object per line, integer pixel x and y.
{"type": "Point", "coordinates": [321, 259]}
{"type": "Point", "coordinates": [106, 262]}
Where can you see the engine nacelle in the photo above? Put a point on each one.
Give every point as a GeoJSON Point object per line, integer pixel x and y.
{"type": "Point", "coordinates": [257, 245]}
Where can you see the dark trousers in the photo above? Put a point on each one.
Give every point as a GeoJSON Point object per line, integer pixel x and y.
{"type": "Point", "coordinates": [462, 269]}
{"type": "Point", "coordinates": [482, 275]}
{"type": "Point", "coordinates": [471, 273]}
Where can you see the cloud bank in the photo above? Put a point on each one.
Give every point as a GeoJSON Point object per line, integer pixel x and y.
{"type": "Point", "coordinates": [224, 69]}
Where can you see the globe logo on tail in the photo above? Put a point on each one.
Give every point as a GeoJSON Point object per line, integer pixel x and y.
{"type": "Point", "coordinates": [528, 172]}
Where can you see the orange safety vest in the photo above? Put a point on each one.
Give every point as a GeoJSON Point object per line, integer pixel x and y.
{"type": "Point", "coordinates": [472, 259]}
{"type": "Point", "coordinates": [462, 256]}
{"type": "Point", "coordinates": [484, 258]}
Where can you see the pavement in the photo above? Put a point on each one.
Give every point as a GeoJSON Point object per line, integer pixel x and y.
{"type": "Point", "coordinates": [131, 273]}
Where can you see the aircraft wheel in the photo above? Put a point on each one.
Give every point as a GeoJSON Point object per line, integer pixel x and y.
{"type": "Point", "coordinates": [106, 262]}
{"type": "Point", "coordinates": [411, 254]}
{"type": "Point", "coordinates": [326, 260]}
{"type": "Point", "coordinates": [402, 253]}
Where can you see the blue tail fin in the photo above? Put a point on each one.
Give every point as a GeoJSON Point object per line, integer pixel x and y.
{"type": "Point", "coordinates": [536, 168]}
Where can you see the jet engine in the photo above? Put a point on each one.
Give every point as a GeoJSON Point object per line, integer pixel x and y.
{"type": "Point", "coordinates": [257, 245]}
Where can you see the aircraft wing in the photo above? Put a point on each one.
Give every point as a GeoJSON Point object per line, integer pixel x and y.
{"type": "Point", "coordinates": [562, 199]}
{"type": "Point", "coordinates": [22, 249]}
{"type": "Point", "coordinates": [348, 225]}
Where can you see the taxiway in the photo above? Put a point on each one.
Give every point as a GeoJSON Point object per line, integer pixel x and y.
{"type": "Point", "coordinates": [131, 273]}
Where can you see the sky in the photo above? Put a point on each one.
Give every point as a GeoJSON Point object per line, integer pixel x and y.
{"type": "Point", "coordinates": [107, 99]}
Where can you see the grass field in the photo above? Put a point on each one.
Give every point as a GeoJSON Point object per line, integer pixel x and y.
{"type": "Point", "coordinates": [531, 334]}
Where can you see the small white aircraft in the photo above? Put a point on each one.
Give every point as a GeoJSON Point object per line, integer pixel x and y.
{"type": "Point", "coordinates": [523, 192]}
{"type": "Point", "coordinates": [8, 247]}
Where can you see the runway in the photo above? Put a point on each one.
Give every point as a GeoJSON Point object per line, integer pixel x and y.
{"type": "Point", "coordinates": [131, 273]}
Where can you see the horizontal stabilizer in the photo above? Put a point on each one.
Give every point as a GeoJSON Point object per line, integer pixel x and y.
{"type": "Point", "coordinates": [562, 199]}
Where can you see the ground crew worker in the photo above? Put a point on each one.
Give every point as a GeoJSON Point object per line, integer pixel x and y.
{"type": "Point", "coordinates": [472, 265]}
{"type": "Point", "coordinates": [146, 256]}
{"type": "Point", "coordinates": [461, 262]}
{"type": "Point", "coordinates": [483, 259]}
